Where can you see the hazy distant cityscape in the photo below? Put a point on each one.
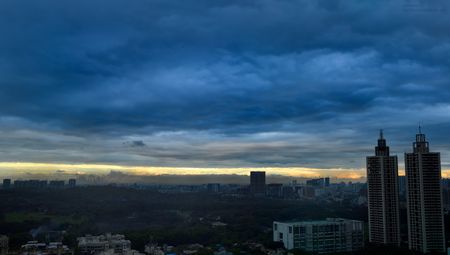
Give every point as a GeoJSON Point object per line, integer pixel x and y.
{"type": "Point", "coordinates": [387, 212]}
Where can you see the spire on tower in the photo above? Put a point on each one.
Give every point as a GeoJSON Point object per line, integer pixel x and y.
{"type": "Point", "coordinates": [421, 144]}
{"type": "Point", "coordinates": [381, 149]}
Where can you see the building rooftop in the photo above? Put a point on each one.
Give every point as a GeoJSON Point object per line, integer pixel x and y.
{"type": "Point", "coordinates": [315, 222]}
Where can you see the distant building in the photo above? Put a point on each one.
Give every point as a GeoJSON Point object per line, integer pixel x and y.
{"type": "Point", "coordinates": [424, 198]}
{"type": "Point", "coordinates": [258, 182]}
{"type": "Point", "coordinates": [213, 187]}
{"type": "Point", "coordinates": [30, 184]}
{"type": "Point", "coordinates": [275, 190]}
{"type": "Point", "coordinates": [154, 249]}
{"type": "Point", "coordinates": [127, 252]}
{"type": "Point", "coordinates": [39, 184]}
{"type": "Point", "coordinates": [19, 184]}
{"type": "Point", "coordinates": [332, 235]}
{"type": "Point", "coordinates": [52, 248]}
{"type": "Point", "coordinates": [92, 244]}
{"type": "Point", "coordinates": [4, 245]}
{"type": "Point", "coordinates": [308, 192]}
{"type": "Point", "coordinates": [103, 244]}
{"type": "Point", "coordinates": [288, 192]}
{"type": "Point", "coordinates": [319, 182]}
{"type": "Point", "coordinates": [56, 184]}
{"type": "Point", "coordinates": [6, 183]}
{"type": "Point", "coordinates": [72, 183]}
{"type": "Point", "coordinates": [382, 193]}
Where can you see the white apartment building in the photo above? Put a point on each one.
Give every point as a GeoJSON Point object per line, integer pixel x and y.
{"type": "Point", "coordinates": [326, 236]}
{"type": "Point", "coordinates": [103, 243]}
{"type": "Point", "coordinates": [52, 248]}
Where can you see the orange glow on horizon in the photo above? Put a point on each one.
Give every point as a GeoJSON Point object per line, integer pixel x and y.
{"type": "Point", "coordinates": [20, 168]}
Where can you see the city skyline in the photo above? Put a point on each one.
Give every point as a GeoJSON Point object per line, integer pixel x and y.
{"type": "Point", "coordinates": [156, 88]}
{"type": "Point", "coordinates": [49, 170]}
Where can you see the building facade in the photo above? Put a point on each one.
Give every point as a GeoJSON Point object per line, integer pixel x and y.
{"type": "Point", "coordinates": [72, 183]}
{"type": "Point", "coordinates": [6, 183]}
{"type": "Point", "coordinates": [383, 196]}
{"type": "Point", "coordinates": [116, 244]}
{"type": "Point", "coordinates": [332, 235]}
{"type": "Point", "coordinates": [52, 248]}
{"type": "Point", "coordinates": [319, 182]}
{"type": "Point", "coordinates": [402, 186]}
{"type": "Point", "coordinates": [424, 198]}
{"type": "Point", "coordinates": [56, 184]}
{"type": "Point", "coordinates": [30, 184]}
{"type": "Point", "coordinates": [4, 245]}
{"type": "Point", "coordinates": [258, 182]}
{"type": "Point", "coordinates": [275, 190]}
{"type": "Point", "coordinates": [213, 187]}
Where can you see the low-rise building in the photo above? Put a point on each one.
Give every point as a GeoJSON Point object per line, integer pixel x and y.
{"type": "Point", "coordinates": [332, 235]}
{"type": "Point", "coordinates": [126, 252]}
{"type": "Point", "coordinates": [4, 245]}
{"type": "Point", "coordinates": [103, 244]}
{"type": "Point", "coordinates": [153, 249]}
{"type": "Point", "coordinates": [52, 248]}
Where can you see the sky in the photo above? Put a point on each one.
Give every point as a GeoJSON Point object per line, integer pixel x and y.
{"type": "Point", "coordinates": [298, 88]}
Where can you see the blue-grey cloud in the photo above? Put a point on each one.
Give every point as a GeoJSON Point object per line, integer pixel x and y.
{"type": "Point", "coordinates": [222, 83]}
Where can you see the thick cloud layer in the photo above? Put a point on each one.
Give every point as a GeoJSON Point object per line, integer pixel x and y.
{"type": "Point", "coordinates": [221, 83]}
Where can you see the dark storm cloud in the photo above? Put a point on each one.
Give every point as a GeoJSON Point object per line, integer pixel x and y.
{"type": "Point", "coordinates": [236, 83]}
{"type": "Point", "coordinates": [137, 143]}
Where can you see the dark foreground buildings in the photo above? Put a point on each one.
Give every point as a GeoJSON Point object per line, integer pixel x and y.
{"type": "Point", "coordinates": [382, 193]}
{"type": "Point", "coordinates": [424, 198]}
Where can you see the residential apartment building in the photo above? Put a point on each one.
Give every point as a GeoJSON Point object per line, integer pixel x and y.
{"type": "Point", "coordinates": [332, 235]}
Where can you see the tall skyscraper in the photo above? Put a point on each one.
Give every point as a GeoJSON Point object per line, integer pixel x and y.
{"type": "Point", "coordinates": [382, 193]}
{"type": "Point", "coordinates": [258, 182]}
{"type": "Point", "coordinates": [424, 198]}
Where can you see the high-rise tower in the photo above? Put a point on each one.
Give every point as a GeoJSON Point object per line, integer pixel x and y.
{"type": "Point", "coordinates": [424, 198]}
{"type": "Point", "coordinates": [258, 182]}
{"type": "Point", "coordinates": [382, 189]}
